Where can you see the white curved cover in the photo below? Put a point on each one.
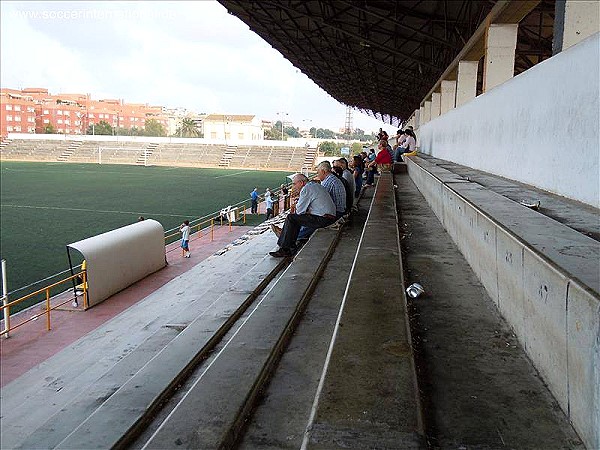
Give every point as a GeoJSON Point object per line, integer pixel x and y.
{"type": "Point", "coordinates": [119, 258]}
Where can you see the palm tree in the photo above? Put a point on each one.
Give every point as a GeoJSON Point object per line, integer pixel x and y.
{"type": "Point", "coordinates": [188, 128]}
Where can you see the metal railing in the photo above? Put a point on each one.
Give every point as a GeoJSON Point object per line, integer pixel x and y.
{"type": "Point", "coordinates": [206, 225]}
{"type": "Point", "coordinates": [48, 307]}
{"type": "Point", "coordinates": [203, 226]}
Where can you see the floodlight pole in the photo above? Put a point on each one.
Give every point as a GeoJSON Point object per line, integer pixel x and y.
{"type": "Point", "coordinates": [282, 114]}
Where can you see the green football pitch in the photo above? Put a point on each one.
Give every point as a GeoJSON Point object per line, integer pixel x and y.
{"type": "Point", "coordinates": [45, 206]}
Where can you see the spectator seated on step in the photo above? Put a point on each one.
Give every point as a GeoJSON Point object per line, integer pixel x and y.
{"type": "Point", "coordinates": [334, 186]}
{"type": "Point", "coordinates": [337, 191]}
{"type": "Point", "coordinates": [339, 172]}
{"type": "Point", "coordinates": [408, 147]}
{"type": "Point", "coordinates": [383, 159]}
{"type": "Point", "coordinates": [348, 176]}
{"type": "Point", "coordinates": [315, 209]}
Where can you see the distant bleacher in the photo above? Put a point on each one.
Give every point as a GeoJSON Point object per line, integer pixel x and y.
{"type": "Point", "coordinates": [79, 150]}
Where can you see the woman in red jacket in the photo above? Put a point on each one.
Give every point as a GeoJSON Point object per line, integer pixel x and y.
{"type": "Point", "coordinates": [383, 158]}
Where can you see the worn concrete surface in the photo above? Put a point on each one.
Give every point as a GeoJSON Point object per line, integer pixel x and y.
{"type": "Point", "coordinates": [369, 397]}
{"type": "Point", "coordinates": [234, 377]}
{"type": "Point", "coordinates": [86, 368]}
{"type": "Point", "coordinates": [479, 390]}
{"type": "Point", "coordinates": [529, 263]}
{"type": "Point", "coordinates": [579, 216]}
{"type": "Point", "coordinates": [281, 418]}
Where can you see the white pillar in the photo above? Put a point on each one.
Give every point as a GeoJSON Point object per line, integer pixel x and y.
{"type": "Point", "coordinates": [427, 110]}
{"type": "Point", "coordinates": [448, 96]}
{"type": "Point", "coordinates": [422, 120]}
{"type": "Point", "coordinates": [581, 20]}
{"type": "Point", "coordinates": [436, 99]}
{"type": "Point", "coordinates": [466, 83]}
{"type": "Point", "coordinates": [500, 45]}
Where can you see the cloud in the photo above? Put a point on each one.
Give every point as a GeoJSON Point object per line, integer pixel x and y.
{"type": "Point", "coordinates": [189, 54]}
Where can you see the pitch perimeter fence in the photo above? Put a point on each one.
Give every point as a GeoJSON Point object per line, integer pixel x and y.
{"type": "Point", "coordinates": [42, 291]}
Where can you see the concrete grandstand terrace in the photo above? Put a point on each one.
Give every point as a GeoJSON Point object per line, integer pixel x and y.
{"type": "Point", "coordinates": [184, 152]}
{"type": "Point", "coordinates": [503, 405]}
{"type": "Point", "coordinates": [32, 344]}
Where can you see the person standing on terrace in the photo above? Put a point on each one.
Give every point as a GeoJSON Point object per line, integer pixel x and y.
{"type": "Point", "coordinates": [269, 204]}
{"type": "Point", "coordinates": [185, 238]}
{"type": "Point", "coordinates": [254, 199]}
{"type": "Point", "coordinates": [358, 166]}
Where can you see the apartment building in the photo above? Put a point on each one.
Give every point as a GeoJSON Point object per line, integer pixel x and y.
{"type": "Point", "coordinates": [17, 112]}
{"type": "Point", "coordinates": [233, 127]}
{"type": "Point", "coordinates": [35, 110]}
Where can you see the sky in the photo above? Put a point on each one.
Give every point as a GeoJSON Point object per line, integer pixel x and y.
{"type": "Point", "coordinates": [189, 54]}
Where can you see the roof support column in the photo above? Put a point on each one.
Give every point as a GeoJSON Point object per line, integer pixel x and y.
{"type": "Point", "coordinates": [436, 99]}
{"type": "Point", "coordinates": [466, 83]}
{"type": "Point", "coordinates": [575, 21]}
{"type": "Point", "coordinates": [415, 121]}
{"type": "Point", "coordinates": [427, 111]}
{"type": "Point", "coordinates": [448, 96]}
{"type": "Point", "coordinates": [422, 120]}
{"type": "Point", "coordinates": [500, 46]}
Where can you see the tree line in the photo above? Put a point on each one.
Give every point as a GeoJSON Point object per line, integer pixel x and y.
{"type": "Point", "coordinates": [276, 133]}
{"type": "Point", "coordinates": [152, 127]}
{"type": "Point", "coordinates": [189, 129]}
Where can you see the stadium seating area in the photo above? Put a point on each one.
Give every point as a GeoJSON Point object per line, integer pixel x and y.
{"type": "Point", "coordinates": [39, 150]}
{"type": "Point", "coordinates": [259, 157]}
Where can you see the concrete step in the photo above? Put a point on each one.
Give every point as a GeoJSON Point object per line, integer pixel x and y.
{"type": "Point", "coordinates": [86, 373]}
{"type": "Point", "coordinates": [275, 424]}
{"type": "Point", "coordinates": [248, 361]}
{"type": "Point", "coordinates": [543, 276]}
{"type": "Point", "coordinates": [369, 396]}
{"type": "Point", "coordinates": [140, 396]}
{"type": "Point", "coordinates": [479, 389]}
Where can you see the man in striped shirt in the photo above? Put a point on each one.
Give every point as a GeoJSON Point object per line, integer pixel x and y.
{"type": "Point", "coordinates": [334, 186]}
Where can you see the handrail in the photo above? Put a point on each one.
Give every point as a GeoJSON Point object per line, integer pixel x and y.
{"type": "Point", "coordinates": [83, 274]}
{"type": "Point", "coordinates": [6, 307]}
{"type": "Point", "coordinates": [42, 280]}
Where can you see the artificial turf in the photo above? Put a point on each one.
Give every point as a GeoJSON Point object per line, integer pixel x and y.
{"type": "Point", "coordinates": [45, 206]}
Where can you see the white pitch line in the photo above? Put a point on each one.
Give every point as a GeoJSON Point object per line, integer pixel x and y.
{"type": "Point", "coordinates": [232, 174]}
{"type": "Point", "coordinates": [86, 172]}
{"type": "Point", "coordinates": [5, 205]}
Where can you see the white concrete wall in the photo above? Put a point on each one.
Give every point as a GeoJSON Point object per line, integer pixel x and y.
{"type": "Point", "coordinates": [233, 130]}
{"type": "Point", "coordinates": [540, 128]}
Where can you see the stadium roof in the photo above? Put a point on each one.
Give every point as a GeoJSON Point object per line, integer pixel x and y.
{"type": "Point", "coordinates": [379, 56]}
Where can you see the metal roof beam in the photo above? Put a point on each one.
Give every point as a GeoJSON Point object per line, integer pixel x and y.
{"type": "Point", "coordinates": [360, 38]}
